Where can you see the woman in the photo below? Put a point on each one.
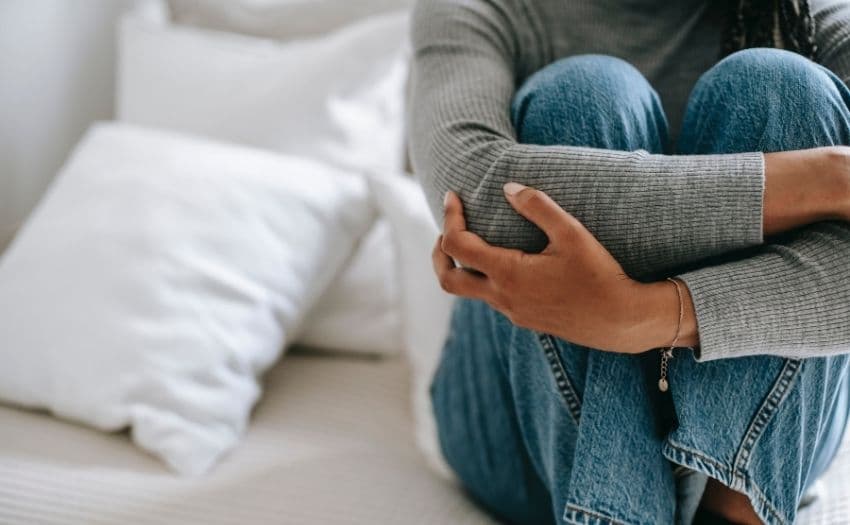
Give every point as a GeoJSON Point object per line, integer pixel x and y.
{"type": "Point", "coordinates": [623, 178]}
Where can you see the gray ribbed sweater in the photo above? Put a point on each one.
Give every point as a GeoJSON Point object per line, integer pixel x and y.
{"type": "Point", "coordinates": [790, 297]}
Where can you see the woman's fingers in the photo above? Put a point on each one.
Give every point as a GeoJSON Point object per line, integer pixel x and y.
{"type": "Point", "coordinates": [467, 248]}
{"type": "Point", "coordinates": [540, 209]}
{"type": "Point", "coordinates": [453, 219]}
{"type": "Point", "coordinates": [457, 281]}
{"type": "Point", "coordinates": [439, 259]}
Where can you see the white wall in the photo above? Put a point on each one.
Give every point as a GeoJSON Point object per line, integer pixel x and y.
{"type": "Point", "coordinates": [56, 76]}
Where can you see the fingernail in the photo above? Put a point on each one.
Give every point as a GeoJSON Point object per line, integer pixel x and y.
{"type": "Point", "coordinates": [446, 199]}
{"type": "Point", "coordinates": [512, 188]}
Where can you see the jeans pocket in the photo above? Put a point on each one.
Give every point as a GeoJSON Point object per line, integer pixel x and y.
{"type": "Point", "coordinates": [563, 381]}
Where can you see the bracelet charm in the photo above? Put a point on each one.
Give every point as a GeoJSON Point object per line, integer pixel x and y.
{"type": "Point", "coordinates": [667, 353]}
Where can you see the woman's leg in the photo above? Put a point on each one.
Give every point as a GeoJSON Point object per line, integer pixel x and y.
{"type": "Point", "coordinates": [764, 426]}
{"type": "Point", "coordinates": [508, 400]}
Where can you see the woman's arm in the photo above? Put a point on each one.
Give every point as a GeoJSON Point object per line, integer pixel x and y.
{"type": "Point", "coordinates": [790, 297]}
{"type": "Point", "coordinates": [804, 187]}
{"type": "Point", "coordinates": [653, 212]}
{"type": "Point", "coordinates": [790, 201]}
{"type": "Point", "coordinates": [576, 290]}
{"type": "Point", "coordinates": [652, 309]}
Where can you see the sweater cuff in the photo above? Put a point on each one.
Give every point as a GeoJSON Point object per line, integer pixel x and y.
{"type": "Point", "coordinates": [717, 307]}
{"type": "Point", "coordinates": [787, 299]}
{"type": "Point", "coordinates": [745, 308]}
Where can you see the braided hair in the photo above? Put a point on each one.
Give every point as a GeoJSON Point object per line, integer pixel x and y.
{"type": "Point", "coordinates": [783, 24]}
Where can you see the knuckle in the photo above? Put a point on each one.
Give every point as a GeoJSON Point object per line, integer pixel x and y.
{"type": "Point", "coordinates": [535, 199]}
{"type": "Point", "coordinates": [450, 243]}
{"type": "Point", "coordinates": [506, 274]}
{"type": "Point", "coordinates": [445, 285]}
{"type": "Point", "coordinates": [442, 278]}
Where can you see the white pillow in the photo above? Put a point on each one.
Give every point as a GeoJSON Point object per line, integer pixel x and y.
{"type": "Point", "coordinates": [427, 308]}
{"type": "Point", "coordinates": [308, 98]}
{"type": "Point", "coordinates": [282, 19]}
{"type": "Point", "coordinates": [160, 276]}
{"type": "Point", "coordinates": [338, 98]}
{"type": "Point", "coordinates": [361, 310]}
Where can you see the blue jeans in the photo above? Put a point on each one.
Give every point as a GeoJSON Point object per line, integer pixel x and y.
{"type": "Point", "coordinates": [540, 430]}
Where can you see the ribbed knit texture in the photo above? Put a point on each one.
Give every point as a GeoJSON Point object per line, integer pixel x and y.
{"type": "Point", "coordinates": [653, 212]}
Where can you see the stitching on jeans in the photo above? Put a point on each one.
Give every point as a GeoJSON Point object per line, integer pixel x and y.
{"type": "Point", "coordinates": [764, 414]}
{"type": "Point", "coordinates": [580, 511]}
{"type": "Point", "coordinates": [702, 457]}
{"type": "Point", "coordinates": [740, 480]}
{"type": "Point", "coordinates": [765, 501]}
{"type": "Point", "coordinates": [559, 373]}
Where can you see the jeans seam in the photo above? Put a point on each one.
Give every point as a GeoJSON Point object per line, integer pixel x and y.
{"type": "Point", "coordinates": [586, 513]}
{"type": "Point", "coordinates": [559, 373]}
{"type": "Point", "coordinates": [765, 501]}
{"type": "Point", "coordinates": [738, 481]}
{"type": "Point", "coordinates": [764, 414]}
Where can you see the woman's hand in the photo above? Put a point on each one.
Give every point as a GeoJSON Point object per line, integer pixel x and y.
{"type": "Point", "coordinates": [573, 289]}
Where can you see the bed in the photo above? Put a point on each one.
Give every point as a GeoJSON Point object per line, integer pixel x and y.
{"type": "Point", "coordinates": [331, 442]}
{"type": "Point", "coordinates": [337, 437]}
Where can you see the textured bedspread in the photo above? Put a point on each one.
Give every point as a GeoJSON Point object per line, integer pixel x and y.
{"type": "Point", "coordinates": [331, 442]}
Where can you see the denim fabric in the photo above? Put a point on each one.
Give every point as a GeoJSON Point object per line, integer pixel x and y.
{"type": "Point", "coordinates": [540, 430]}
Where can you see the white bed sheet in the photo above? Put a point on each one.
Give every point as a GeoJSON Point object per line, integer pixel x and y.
{"type": "Point", "coordinates": [331, 442]}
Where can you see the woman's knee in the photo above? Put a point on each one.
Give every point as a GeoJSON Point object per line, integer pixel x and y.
{"type": "Point", "coordinates": [589, 100]}
{"type": "Point", "coordinates": [766, 100]}
{"type": "Point", "coordinates": [772, 80]}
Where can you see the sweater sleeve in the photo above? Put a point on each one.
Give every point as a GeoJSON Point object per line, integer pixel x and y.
{"type": "Point", "coordinates": [792, 296]}
{"type": "Point", "coordinates": [653, 212]}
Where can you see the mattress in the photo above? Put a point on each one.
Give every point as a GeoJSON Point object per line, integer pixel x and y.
{"type": "Point", "coordinates": [331, 442]}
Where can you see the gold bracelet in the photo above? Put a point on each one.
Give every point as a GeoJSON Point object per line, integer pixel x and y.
{"type": "Point", "coordinates": [667, 353]}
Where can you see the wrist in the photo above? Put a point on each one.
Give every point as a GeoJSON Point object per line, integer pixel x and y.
{"type": "Point", "coordinates": [654, 315]}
